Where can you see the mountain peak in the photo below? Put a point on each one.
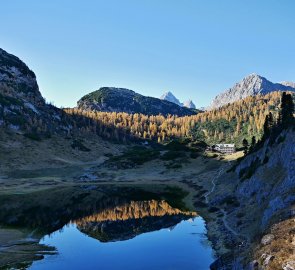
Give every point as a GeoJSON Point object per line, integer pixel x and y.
{"type": "Point", "coordinates": [112, 99]}
{"type": "Point", "coordinates": [169, 93]}
{"type": "Point", "coordinates": [287, 83]}
{"type": "Point", "coordinates": [254, 75]}
{"type": "Point", "coordinates": [251, 85]}
{"type": "Point", "coordinates": [189, 104]}
{"type": "Point", "coordinates": [170, 97]}
{"type": "Point", "coordinates": [17, 80]}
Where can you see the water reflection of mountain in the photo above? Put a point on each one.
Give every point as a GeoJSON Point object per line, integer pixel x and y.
{"type": "Point", "coordinates": [128, 220]}
{"type": "Point", "coordinates": [107, 213]}
{"type": "Point", "coordinates": [46, 212]}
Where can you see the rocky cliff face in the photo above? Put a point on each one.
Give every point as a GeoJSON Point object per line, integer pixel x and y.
{"type": "Point", "coordinates": [259, 197]}
{"type": "Point", "coordinates": [17, 80]}
{"type": "Point", "coordinates": [170, 97]}
{"type": "Point", "coordinates": [111, 99]}
{"type": "Point", "coordinates": [189, 104]}
{"type": "Point", "coordinates": [249, 86]}
{"type": "Point", "coordinates": [269, 186]}
{"type": "Point", "coordinates": [272, 185]}
{"type": "Point", "coordinates": [22, 107]}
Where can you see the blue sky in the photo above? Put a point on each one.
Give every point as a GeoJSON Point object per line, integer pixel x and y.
{"type": "Point", "coordinates": [196, 49]}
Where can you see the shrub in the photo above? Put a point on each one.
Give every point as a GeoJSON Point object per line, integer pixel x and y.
{"type": "Point", "coordinates": [33, 136]}
{"type": "Point", "coordinates": [231, 200]}
{"type": "Point", "coordinates": [77, 144]}
{"type": "Point", "coordinates": [173, 165]}
{"type": "Point", "coordinates": [240, 215]}
{"type": "Point", "coordinates": [16, 120]}
{"type": "Point", "coordinates": [194, 155]}
{"type": "Point", "coordinates": [176, 145]}
{"type": "Point", "coordinates": [266, 159]}
{"type": "Point", "coordinates": [281, 139]}
{"type": "Point", "coordinates": [6, 100]}
{"type": "Point", "coordinates": [246, 173]}
{"type": "Point", "coordinates": [213, 209]}
{"type": "Point", "coordinates": [137, 155]}
{"type": "Point", "coordinates": [140, 155]}
{"type": "Point", "coordinates": [171, 155]}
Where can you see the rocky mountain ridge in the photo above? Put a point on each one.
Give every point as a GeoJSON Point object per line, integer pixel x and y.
{"type": "Point", "coordinates": [111, 99]}
{"type": "Point", "coordinates": [17, 80]}
{"type": "Point", "coordinates": [23, 110]}
{"type": "Point", "coordinates": [170, 97]}
{"type": "Point", "coordinates": [290, 84]}
{"type": "Point", "coordinates": [21, 103]}
{"type": "Point", "coordinates": [189, 104]}
{"type": "Point", "coordinates": [249, 86]}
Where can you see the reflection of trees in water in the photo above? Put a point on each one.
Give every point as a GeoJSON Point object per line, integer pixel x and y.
{"type": "Point", "coordinates": [49, 211]}
{"type": "Point", "coordinates": [127, 220]}
{"type": "Point", "coordinates": [107, 213]}
{"type": "Point", "coordinates": [126, 229]}
{"type": "Point", "coordinates": [134, 210]}
{"type": "Point", "coordinates": [48, 214]}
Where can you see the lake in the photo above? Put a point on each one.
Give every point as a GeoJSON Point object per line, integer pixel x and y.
{"type": "Point", "coordinates": [181, 247]}
{"type": "Point", "coordinates": [137, 230]}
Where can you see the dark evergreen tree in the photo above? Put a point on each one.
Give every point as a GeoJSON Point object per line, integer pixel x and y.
{"type": "Point", "coordinates": [253, 144]}
{"type": "Point", "coordinates": [266, 130]}
{"type": "Point", "coordinates": [245, 145]}
{"type": "Point", "coordinates": [287, 110]}
{"type": "Point", "coordinates": [253, 141]}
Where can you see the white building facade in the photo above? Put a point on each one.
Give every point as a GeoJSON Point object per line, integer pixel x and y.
{"type": "Point", "coordinates": [225, 148]}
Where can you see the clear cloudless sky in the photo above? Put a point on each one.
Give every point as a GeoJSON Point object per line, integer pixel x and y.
{"type": "Point", "coordinates": [194, 48]}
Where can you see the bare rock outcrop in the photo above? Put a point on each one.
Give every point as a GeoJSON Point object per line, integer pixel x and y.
{"type": "Point", "coordinates": [249, 86]}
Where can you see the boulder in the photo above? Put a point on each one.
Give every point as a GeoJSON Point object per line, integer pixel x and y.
{"type": "Point", "coordinates": [266, 239]}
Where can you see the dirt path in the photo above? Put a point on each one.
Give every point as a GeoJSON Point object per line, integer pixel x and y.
{"type": "Point", "coordinates": [224, 218]}
{"type": "Point", "coordinates": [213, 182]}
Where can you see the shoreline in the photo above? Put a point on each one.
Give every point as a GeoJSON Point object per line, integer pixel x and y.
{"type": "Point", "coordinates": [185, 178]}
{"type": "Point", "coordinates": [210, 185]}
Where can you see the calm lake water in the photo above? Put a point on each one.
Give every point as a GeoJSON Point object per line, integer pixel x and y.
{"type": "Point", "coordinates": [183, 246]}
{"type": "Point", "coordinates": [109, 227]}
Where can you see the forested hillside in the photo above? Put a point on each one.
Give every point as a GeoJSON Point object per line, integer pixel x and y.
{"type": "Point", "coordinates": [111, 99]}
{"type": "Point", "coordinates": [230, 123]}
{"type": "Point", "coordinates": [23, 109]}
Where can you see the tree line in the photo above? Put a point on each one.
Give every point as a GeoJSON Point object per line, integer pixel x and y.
{"type": "Point", "coordinates": [233, 122]}
{"type": "Point", "coordinates": [274, 125]}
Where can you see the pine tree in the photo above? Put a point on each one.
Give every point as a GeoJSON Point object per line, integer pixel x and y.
{"type": "Point", "coordinates": [253, 143]}
{"type": "Point", "coordinates": [287, 110]}
{"type": "Point", "coordinates": [245, 145]}
{"type": "Point", "coordinates": [267, 126]}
